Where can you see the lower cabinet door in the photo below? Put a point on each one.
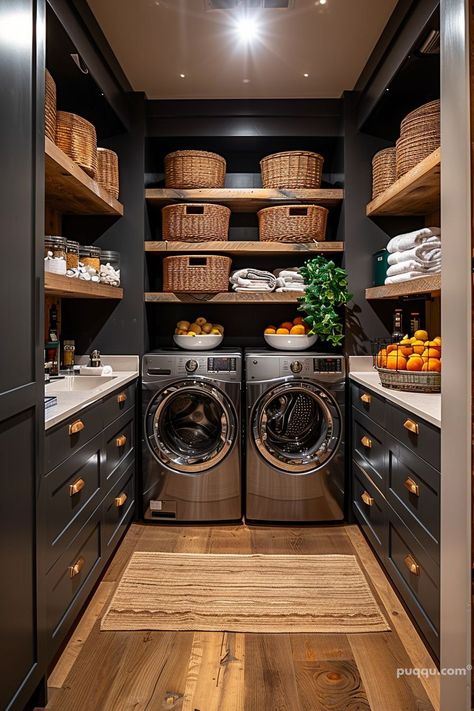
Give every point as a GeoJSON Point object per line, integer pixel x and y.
{"type": "Point", "coordinates": [370, 510]}
{"type": "Point", "coordinates": [118, 509]}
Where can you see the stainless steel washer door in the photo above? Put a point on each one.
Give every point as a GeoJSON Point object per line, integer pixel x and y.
{"type": "Point", "coordinates": [296, 427]}
{"type": "Point", "coordinates": [190, 426]}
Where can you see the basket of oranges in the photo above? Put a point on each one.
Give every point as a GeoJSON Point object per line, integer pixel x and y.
{"type": "Point", "coordinates": [412, 364]}
{"type": "Point", "coordinates": [290, 335]}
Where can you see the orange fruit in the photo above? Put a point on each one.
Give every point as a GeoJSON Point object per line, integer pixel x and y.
{"type": "Point", "coordinates": [297, 330]}
{"type": "Point", "coordinates": [432, 365]}
{"type": "Point", "coordinates": [406, 351]}
{"type": "Point", "coordinates": [431, 353]}
{"type": "Point", "coordinates": [415, 362]}
{"type": "Point", "coordinates": [396, 361]}
{"type": "Point", "coordinates": [421, 335]}
{"type": "Point", "coordinates": [283, 331]}
{"type": "Point", "coordinates": [306, 328]}
{"type": "Point", "coordinates": [437, 340]}
{"type": "Point", "coordinates": [381, 358]}
{"type": "Point", "coordinates": [418, 346]}
{"type": "Point", "coordinates": [433, 344]}
{"type": "Point", "coordinates": [392, 347]}
{"type": "Point", "coordinates": [286, 324]}
{"type": "Point", "coordinates": [298, 321]}
{"type": "Point", "coordinates": [269, 331]}
{"type": "Point", "coordinates": [272, 326]}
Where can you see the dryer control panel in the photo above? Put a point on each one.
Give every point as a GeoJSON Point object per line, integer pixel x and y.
{"type": "Point", "coordinates": [267, 366]}
{"type": "Point", "coordinates": [223, 367]}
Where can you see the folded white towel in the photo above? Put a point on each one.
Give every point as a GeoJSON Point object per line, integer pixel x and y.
{"type": "Point", "coordinates": [296, 287]}
{"type": "Point", "coordinates": [424, 253]}
{"type": "Point", "coordinates": [413, 266]}
{"type": "Point", "coordinates": [253, 277]}
{"type": "Point", "coordinates": [292, 270]}
{"type": "Point", "coordinates": [253, 287]}
{"type": "Point", "coordinates": [411, 239]}
{"type": "Point", "coordinates": [290, 275]}
{"type": "Point", "coordinates": [407, 276]}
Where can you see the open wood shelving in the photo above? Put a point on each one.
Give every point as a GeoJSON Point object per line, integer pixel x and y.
{"type": "Point", "coordinates": [71, 288]}
{"type": "Point", "coordinates": [244, 248]}
{"type": "Point", "coordinates": [422, 285]}
{"type": "Point", "coordinates": [225, 297]}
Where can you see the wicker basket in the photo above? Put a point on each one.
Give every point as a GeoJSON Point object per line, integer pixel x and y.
{"type": "Point", "coordinates": [410, 152]}
{"type": "Point", "coordinates": [194, 169]}
{"type": "Point", "coordinates": [77, 138]}
{"type": "Point", "coordinates": [419, 136]}
{"type": "Point", "coordinates": [428, 113]}
{"type": "Point", "coordinates": [203, 273]}
{"type": "Point", "coordinates": [384, 170]}
{"type": "Point", "coordinates": [108, 171]}
{"type": "Point", "coordinates": [292, 169]}
{"type": "Point", "coordinates": [195, 223]}
{"type": "Point", "coordinates": [50, 107]}
{"type": "Point", "coordinates": [292, 223]}
{"type": "Point", "coordinates": [410, 381]}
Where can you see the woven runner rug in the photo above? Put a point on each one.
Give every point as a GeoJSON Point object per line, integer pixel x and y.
{"type": "Point", "coordinates": [244, 593]}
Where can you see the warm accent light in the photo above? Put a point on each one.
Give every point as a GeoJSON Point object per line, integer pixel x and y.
{"type": "Point", "coordinates": [183, 76]}
{"type": "Point", "coordinates": [306, 75]}
{"type": "Point", "coordinates": [247, 28]}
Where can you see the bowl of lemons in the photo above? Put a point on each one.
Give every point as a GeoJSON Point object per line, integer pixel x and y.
{"type": "Point", "coordinates": [289, 336]}
{"type": "Point", "coordinates": [198, 335]}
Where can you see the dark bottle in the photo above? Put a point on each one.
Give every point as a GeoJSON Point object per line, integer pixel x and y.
{"type": "Point", "coordinates": [53, 324]}
{"type": "Point", "coordinates": [397, 333]}
{"type": "Point", "coordinates": [415, 322]}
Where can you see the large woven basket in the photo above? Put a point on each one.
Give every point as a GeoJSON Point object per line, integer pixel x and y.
{"type": "Point", "coordinates": [410, 381]}
{"type": "Point", "coordinates": [384, 170]}
{"type": "Point", "coordinates": [419, 136]}
{"type": "Point", "coordinates": [203, 273]}
{"type": "Point", "coordinates": [108, 171]}
{"type": "Point", "coordinates": [194, 169]}
{"type": "Point", "coordinates": [195, 223]}
{"type": "Point", "coordinates": [292, 223]}
{"type": "Point", "coordinates": [292, 169]}
{"type": "Point", "coordinates": [427, 114]}
{"type": "Point", "coordinates": [50, 107]}
{"type": "Point", "coordinates": [77, 138]}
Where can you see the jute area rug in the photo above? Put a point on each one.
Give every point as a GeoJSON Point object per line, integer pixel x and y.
{"type": "Point", "coordinates": [244, 593]}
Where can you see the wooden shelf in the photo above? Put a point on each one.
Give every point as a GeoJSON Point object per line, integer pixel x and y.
{"type": "Point", "coordinates": [244, 247]}
{"type": "Point", "coordinates": [415, 193]}
{"type": "Point", "coordinates": [78, 289]}
{"type": "Point", "coordinates": [225, 297]}
{"type": "Point", "coordinates": [245, 199]}
{"type": "Point", "coordinates": [422, 285]}
{"type": "Point", "coordinates": [70, 190]}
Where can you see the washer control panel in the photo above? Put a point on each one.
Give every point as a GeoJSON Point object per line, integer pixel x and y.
{"type": "Point", "coordinates": [223, 367]}
{"type": "Point", "coordinates": [265, 366]}
{"type": "Point", "coordinates": [329, 364]}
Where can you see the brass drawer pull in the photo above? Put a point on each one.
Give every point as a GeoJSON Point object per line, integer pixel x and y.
{"type": "Point", "coordinates": [76, 567]}
{"type": "Point", "coordinates": [412, 565]}
{"type": "Point", "coordinates": [411, 426]}
{"type": "Point", "coordinates": [121, 398]}
{"type": "Point", "coordinates": [76, 487]}
{"type": "Point", "coordinates": [367, 498]}
{"type": "Point", "coordinates": [366, 398]}
{"type": "Point", "coordinates": [121, 441]}
{"type": "Point", "coordinates": [76, 427]}
{"type": "Point", "coordinates": [412, 486]}
{"type": "Point", "coordinates": [120, 500]}
{"type": "Point", "coordinates": [366, 442]}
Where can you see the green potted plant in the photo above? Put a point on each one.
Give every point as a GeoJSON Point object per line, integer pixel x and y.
{"type": "Point", "coordinates": [326, 291]}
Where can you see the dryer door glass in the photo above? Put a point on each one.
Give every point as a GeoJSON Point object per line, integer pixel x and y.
{"type": "Point", "coordinates": [191, 427]}
{"type": "Point", "coordinates": [297, 427]}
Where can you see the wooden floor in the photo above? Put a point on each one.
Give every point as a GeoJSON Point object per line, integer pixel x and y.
{"type": "Point", "coordinates": [202, 671]}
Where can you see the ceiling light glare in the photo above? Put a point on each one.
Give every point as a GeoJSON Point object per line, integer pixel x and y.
{"type": "Point", "coordinates": [306, 75]}
{"type": "Point", "coordinates": [322, 2]}
{"type": "Point", "coordinates": [246, 81]}
{"type": "Point", "coordinates": [247, 28]}
{"type": "Point", "coordinates": [183, 76]}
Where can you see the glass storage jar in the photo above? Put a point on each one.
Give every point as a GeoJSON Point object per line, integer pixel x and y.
{"type": "Point", "coordinates": [89, 256]}
{"type": "Point", "coordinates": [55, 254]}
{"type": "Point", "coordinates": [110, 268]}
{"type": "Point", "coordinates": [72, 257]}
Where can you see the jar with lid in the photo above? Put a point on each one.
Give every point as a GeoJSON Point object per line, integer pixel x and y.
{"type": "Point", "coordinates": [55, 254]}
{"type": "Point", "coordinates": [72, 258]}
{"type": "Point", "coordinates": [89, 257]}
{"type": "Point", "coordinates": [110, 268]}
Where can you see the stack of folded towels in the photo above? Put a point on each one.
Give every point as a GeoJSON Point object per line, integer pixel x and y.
{"type": "Point", "coordinates": [289, 279]}
{"type": "Point", "coordinates": [252, 280]}
{"type": "Point", "coordinates": [414, 254]}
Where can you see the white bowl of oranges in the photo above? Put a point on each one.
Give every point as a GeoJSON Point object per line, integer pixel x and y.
{"type": "Point", "coordinates": [416, 360]}
{"type": "Point", "coordinates": [198, 335]}
{"type": "Point", "coordinates": [289, 336]}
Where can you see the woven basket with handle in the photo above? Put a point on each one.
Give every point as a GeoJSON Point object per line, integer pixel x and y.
{"type": "Point", "coordinates": [194, 169]}
{"type": "Point", "coordinates": [50, 107]}
{"type": "Point", "coordinates": [384, 170]}
{"type": "Point", "coordinates": [410, 381]}
{"type": "Point", "coordinates": [108, 171]}
{"type": "Point", "coordinates": [203, 273]}
{"type": "Point", "coordinates": [292, 169]}
{"type": "Point", "coordinates": [77, 138]}
{"type": "Point", "coordinates": [292, 223]}
{"type": "Point", "coordinates": [193, 222]}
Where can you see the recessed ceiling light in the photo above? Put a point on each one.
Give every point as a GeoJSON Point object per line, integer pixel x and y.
{"type": "Point", "coordinates": [247, 28]}
{"type": "Point", "coordinates": [183, 76]}
{"type": "Point", "coordinates": [246, 81]}
{"type": "Point", "coordinates": [306, 75]}
{"type": "Point", "coordinates": [322, 2]}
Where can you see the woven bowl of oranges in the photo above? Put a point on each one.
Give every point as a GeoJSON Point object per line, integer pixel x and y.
{"type": "Point", "coordinates": [289, 336]}
{"type": "Point", "coordinates": [413, 364]}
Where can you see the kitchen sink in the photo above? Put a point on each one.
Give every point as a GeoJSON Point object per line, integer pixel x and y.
{"type": "Point", "coordinates": [75, 383]}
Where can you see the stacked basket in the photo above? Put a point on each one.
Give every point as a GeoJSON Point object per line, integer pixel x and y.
{"type": "Point", "coordinates": [384, 171]}
{"type": "Point", "coordinates": [419, 136]}
{"type": "Point", "coordinates": [50, 107]}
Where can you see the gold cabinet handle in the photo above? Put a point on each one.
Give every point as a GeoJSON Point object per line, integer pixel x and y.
{"type": "Point", "coordinates": [120, 500]}
{"type": "Point", "coordinates": [121, 441]}
{"type": "Point", "coordinates": [412, 565]}
{"type": "Point", "coordinates": [76, 487]}
{"type": "Point", "coordinates": [367, 498]}
{"type": "Point", "coordinates": [411, 426]}
{"type": "Point", "coordinates": [76, 427]}
{"type": "Point", "coordinates": [366, 442]}
{"type": "Point", "coordinates": [121, 397]}
{"type": "Point", "coordinates": [366, 398]}
{"type": "Point", "coordinates": [412, 486]}
{"type": "Point", "coordinates": [76, 567]}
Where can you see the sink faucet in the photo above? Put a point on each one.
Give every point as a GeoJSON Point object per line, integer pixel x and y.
{"type": "Point", "coordinates": [95, 359]}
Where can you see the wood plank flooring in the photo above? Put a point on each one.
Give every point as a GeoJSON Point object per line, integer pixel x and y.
{"type": "Point", "coordinates": [215, 671]}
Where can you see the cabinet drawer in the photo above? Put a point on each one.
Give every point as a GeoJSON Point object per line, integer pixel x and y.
{"type": "Point", "coordinates": [369, 449]}
{"type": "Point", "coordinates": [419, 436]}
{"type": "Point", "coordinates": [118, 508]}
{"type": "Point", "coordinates": [70, 580]}
{"type": "Point", "coordinates": [119, 402]}
{"type": "Point", "coordinates": [119, 442]}
{"type": "Point", "coordinates": [369, 403]}
{"type": "Point", "coordinates": [73, 492]}
{"type": "Point", "coordinates": [369, 509]}
{"type": "Point", "coordinates": [416, 578]}
{"type": "Point", "coordinates": [72, 434]}
{"type": "Point", "coordinates": [412, 490]}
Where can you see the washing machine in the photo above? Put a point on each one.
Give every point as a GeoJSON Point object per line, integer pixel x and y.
{"type": "Point", "coordinates": [191, 441]}
{"type": "Point", "coordinates": [295, 436]}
